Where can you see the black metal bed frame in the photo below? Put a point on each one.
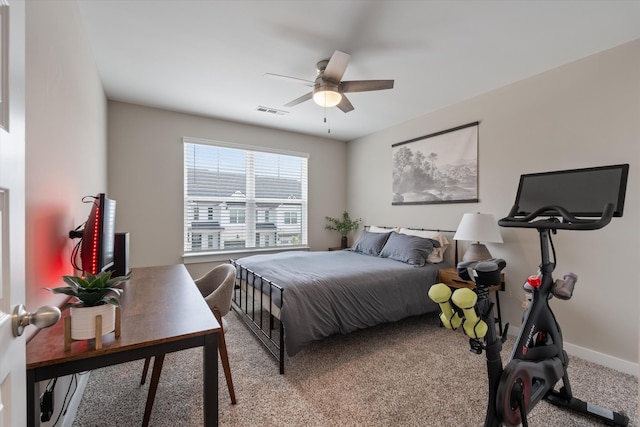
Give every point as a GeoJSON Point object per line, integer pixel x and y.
{"type": "Point", "coordinates": [253, 316]}
{"type": "Point", "coordinates": [256, 315]}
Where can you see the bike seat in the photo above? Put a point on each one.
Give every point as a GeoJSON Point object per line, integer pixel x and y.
{"type": "Point", "coordinates": [485, 272]}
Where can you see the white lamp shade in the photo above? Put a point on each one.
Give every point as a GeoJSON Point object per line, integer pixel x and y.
{"type": "Point", "coordinates": [326, 97]}
{"type": "Point", "coordinates": [478, 227]}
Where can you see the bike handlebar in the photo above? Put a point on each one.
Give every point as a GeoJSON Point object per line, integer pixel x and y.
{"type": "Point", "coordinates": [569, 222]}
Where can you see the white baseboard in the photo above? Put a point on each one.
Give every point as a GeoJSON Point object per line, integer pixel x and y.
{"type": "Point", "coordinates": [72, 409]}
{"type": "Point", "coordinates": [64, 411]}
{"type": "Point", "coordinates": [602, 359]}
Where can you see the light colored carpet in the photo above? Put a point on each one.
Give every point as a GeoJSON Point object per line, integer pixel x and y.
{"type": "Point", "coordinates": [411, 373]}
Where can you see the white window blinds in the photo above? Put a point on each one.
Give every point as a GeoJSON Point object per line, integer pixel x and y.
{"type": "Point", "coordinates": [238, 197]}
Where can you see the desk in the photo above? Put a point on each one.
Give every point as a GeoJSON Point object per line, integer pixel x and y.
{"type": "Point", "coordinates": [162, 312]}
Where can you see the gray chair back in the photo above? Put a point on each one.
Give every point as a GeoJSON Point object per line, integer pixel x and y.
{"type": "Point", "coordinates": [217, 287]}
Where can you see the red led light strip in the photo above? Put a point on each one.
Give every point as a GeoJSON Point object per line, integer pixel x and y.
{"type": "Point", "coordinates": [94, 248]}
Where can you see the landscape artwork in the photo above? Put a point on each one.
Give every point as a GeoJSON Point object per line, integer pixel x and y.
{"type": "Point", "coordinates": [438, 168]}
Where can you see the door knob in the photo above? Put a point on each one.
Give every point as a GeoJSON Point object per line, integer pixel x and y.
{"type": "Point", "coordinates": [43, 318]}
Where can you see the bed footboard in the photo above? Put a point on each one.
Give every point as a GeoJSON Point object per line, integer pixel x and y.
{"type": "Point", "coordinates": [258, 310]}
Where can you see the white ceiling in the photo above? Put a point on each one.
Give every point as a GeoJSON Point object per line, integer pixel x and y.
{"type": "Point", "coordinates": [209, 57]}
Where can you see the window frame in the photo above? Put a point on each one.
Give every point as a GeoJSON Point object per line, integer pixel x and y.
{"type": "Point", "coordinates": [301, 213]}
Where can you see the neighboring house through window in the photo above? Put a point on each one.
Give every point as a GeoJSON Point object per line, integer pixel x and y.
{"type": "Point", "coordinates": [290, 217]}
{"type": "Point", "coordinates": [239, 197]}
{"type": "Point", "coordinates": [236, 216]}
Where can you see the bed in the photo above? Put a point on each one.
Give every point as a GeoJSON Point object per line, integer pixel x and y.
{"type": "Point", "coordinates": [292, 298]}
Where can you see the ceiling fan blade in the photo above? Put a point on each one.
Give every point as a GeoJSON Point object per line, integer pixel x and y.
{"type": "Point", "coordinates": [336, 67]}
{"type": "Point", "coordinates": [297, 101]}
{"type": "Point", "coordinates": [366, 85]}
{"type": "Point", "coordinates": [290, 79]}
{"type": "Point", "coordinates": [345, 104]}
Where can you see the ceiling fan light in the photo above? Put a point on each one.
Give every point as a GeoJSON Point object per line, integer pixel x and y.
{"type": "Point", "coordinates": [326, 97]}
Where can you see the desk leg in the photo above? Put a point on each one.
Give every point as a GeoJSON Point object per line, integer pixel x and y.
{"type": "Point", "coordinates": [210, 380]}
{"type": "Point", "coordinates": [33, 399]}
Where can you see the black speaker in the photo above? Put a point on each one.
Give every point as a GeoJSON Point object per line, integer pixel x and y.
{"type": "Point", "coordinates": [121, 255]}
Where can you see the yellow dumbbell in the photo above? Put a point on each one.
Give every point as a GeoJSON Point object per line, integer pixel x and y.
{"type": "Point", "coordinates": [441, 294]}
{"type": "Point", "coordinates": [473, 326]}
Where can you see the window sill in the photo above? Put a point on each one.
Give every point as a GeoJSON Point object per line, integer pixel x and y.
{"type": "Point", "coordinates": [204, 257]}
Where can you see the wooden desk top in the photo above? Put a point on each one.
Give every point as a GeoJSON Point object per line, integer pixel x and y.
{"type": "Point", "coordinates": [159, 305]}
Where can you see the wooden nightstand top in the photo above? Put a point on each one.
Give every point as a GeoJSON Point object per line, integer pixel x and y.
{"type": "Point", "coordinates": [449, 276]}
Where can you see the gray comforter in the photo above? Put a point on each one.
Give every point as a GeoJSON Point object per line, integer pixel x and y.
{"type": "Point", "coordinates": [340, 291]}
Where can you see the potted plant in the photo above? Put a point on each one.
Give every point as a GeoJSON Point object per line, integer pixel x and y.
{"type": "Point", "coordinates": [343, 226]}
{"type": "Point", "coordinates": [93, 295]}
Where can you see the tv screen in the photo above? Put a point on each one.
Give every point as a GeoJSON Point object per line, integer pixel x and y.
{"type": "Point", "coordinates": [98, 236]}
{"type": "Point", "coordinates": [582, 192]}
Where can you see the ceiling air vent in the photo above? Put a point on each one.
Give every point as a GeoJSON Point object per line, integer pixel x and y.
{"type": "Point", "coordinates": [272, 110]}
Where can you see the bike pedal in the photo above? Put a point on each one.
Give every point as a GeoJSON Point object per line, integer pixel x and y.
{"type": "Point", "coordinates": [476, 346]}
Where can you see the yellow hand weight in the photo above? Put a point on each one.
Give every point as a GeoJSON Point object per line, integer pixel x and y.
{"type": "Point", "coordinates": [466, 299]}
{"type": "Point", "coordinates": [441, 294]}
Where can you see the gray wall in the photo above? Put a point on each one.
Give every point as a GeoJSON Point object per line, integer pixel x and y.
{"type": "Point", "coordinates": [583, 114]}
{"type": "Point", "coordinates": [66, 144]}
{"type": "Point", "coordinates": [66, 150]}
{"type": "Point", "coordinates": [146, 178]}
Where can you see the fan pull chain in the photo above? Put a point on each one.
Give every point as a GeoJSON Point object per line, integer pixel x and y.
{"type": "Point", "coordinates": [325, 120]}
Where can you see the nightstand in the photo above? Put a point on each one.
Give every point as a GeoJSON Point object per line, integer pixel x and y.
{"type": "Point", "coordinates": [336, 248]}
{"type": "Point", "coordinates": [449, 276]}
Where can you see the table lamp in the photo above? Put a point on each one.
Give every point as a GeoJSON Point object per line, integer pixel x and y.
{"type": "Point", "coordinates": [478, 227]}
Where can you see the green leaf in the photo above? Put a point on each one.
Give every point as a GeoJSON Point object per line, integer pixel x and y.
{"type": "Point", "coordinates": [343, 225]}
{"type": "Point", "coordinates": [91, 290]}
{"type": "Point", "coordinates": [112, 301]}
{"type": "Point", "coordinates": [67, 291]}
{"type": "Point", "coordinates": [72, 304]}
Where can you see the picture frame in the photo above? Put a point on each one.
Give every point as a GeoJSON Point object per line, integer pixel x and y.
{"type": "Point", "coordinates": [441, 167]}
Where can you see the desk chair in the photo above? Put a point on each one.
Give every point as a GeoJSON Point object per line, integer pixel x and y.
{"type": "Point", "coordinates": [217, 289]}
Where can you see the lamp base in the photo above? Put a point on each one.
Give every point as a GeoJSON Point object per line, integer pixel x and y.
{"type": "Point", "coordinates": [476, 252]}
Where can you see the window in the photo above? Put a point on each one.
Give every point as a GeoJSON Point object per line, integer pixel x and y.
{"type": "Point", "coordinates": [236, 216]}
{"type": "Point", "coordinates": [290, 217]}
{"type": "Point", "coordinates": [253, 197]}
{"type": "Point", "coordinates": [196, 242]}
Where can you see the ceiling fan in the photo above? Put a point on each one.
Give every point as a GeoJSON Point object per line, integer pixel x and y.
{"type": "Point", "coordinates": [328, 89]}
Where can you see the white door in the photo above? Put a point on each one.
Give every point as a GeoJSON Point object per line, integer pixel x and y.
{"type": "Point", "coordinates": [12, 215]}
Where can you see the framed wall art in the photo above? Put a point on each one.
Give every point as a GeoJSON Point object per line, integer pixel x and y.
{"type": "Point", "coordinates": [438, 168]}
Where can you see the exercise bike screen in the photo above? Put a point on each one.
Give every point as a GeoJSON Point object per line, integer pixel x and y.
{"type": "Point", "coordinates": [583, 192]}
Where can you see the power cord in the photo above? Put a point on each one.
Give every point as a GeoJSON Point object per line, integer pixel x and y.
{"type": "Point", "coordinates": [77, 233]}
{"type": "Point", "coordinates": [65, 404]}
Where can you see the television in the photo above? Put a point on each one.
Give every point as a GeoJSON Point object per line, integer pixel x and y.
{"type": "Point", "coordinates": [97, 250]}
{"type": "Point", "coordinates": [582, 192]}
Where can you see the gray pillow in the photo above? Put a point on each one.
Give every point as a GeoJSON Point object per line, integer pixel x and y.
{"type": "Point", "coordinates": [370, 243]}
{"type": "Point", "coordinates": [410, 249]}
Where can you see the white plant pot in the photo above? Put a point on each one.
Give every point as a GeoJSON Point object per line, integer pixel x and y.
{"type": "Point", "coordinates": [83, 321]}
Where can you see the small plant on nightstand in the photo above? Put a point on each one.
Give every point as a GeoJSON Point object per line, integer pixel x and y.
{"type": "Point", "coordinates": [343, 226]}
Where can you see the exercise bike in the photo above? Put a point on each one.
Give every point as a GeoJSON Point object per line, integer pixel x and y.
{"type": "Point", "coordinates": [538, 361]}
